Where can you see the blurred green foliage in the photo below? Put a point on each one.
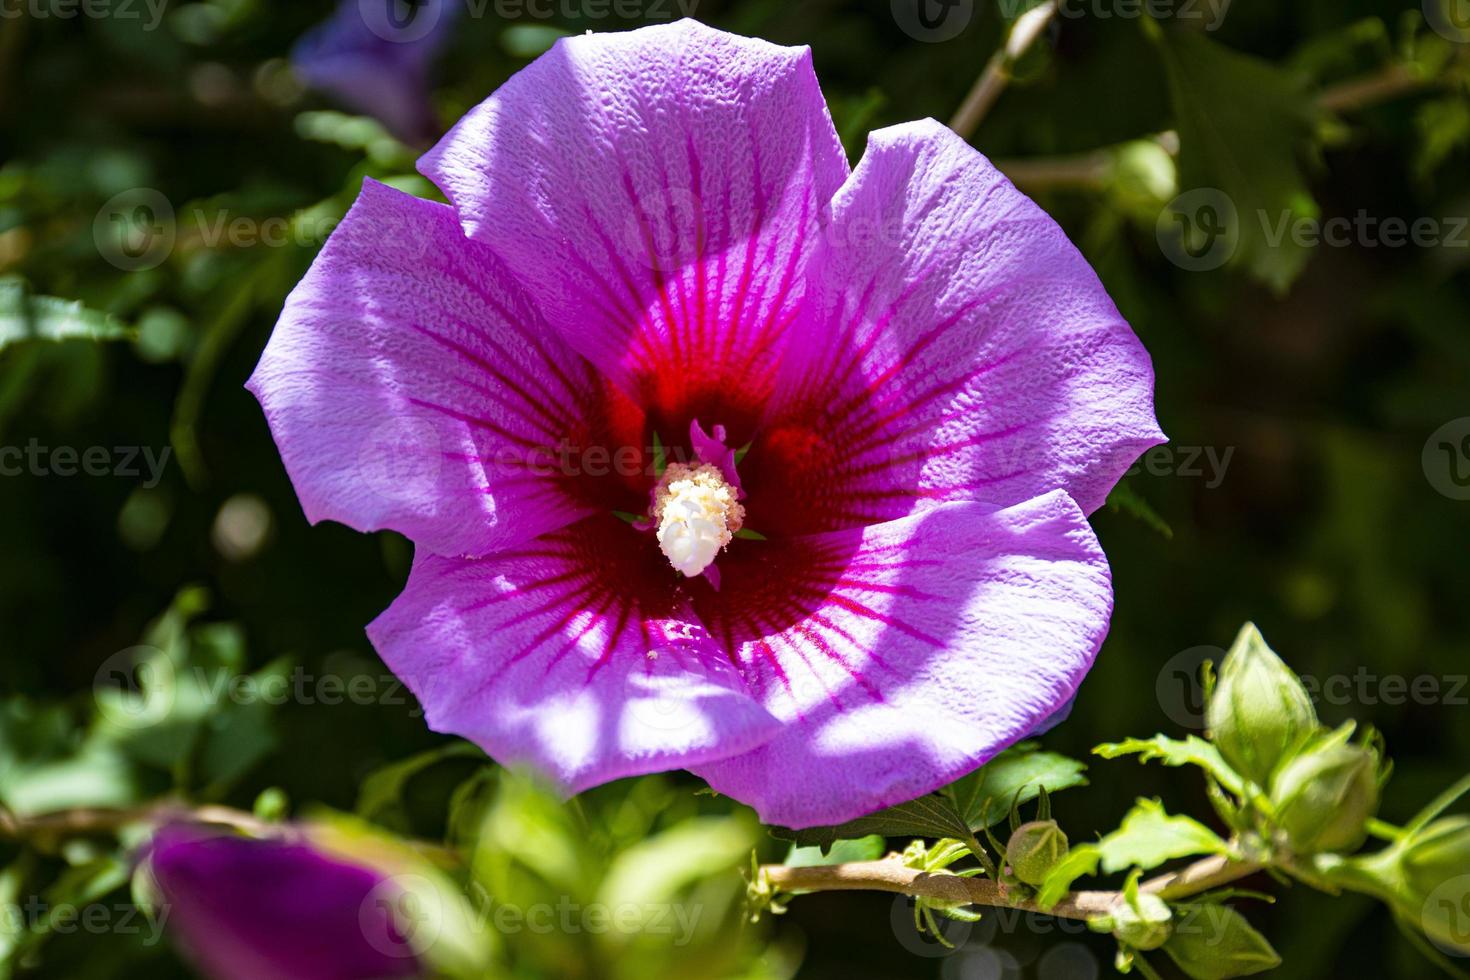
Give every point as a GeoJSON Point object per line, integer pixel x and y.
{"type": "Point", "coordinates": [1317, 373]}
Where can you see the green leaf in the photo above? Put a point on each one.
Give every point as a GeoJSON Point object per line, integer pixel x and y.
{"type": "Point", "coordinates": [529, 40]}
{"type": "Point", "coordinates": [12, 927]}
{"type": "Point", "coordinates": [1080, 862]}
{"type": "Point", "coordinates": [868, 848]}
{"type": "Point", "coordinates": [183, 702]}
{"type": "Point", "coordinates": [1241, 122]}
{"type": "Point", "coordinates": [381, 796]}
{"type": "Point", "coordinates": [1148, 837]}
{"type": "Point", "coordinates": [1192, 751]}
{"type": "Point", "coordinates": [973, 803]}
{"type": "Point", "coordinates": [75, 888]}
{"type": "Point", "coordinates": [1125, 500]}
{"type": "Point", "coordinates": [1018, 775]}
{"type": "Point", "coordinates": [928, 816]}
{"type": "Point", "coordinates": [24, 316]}
{"type": "Point", "coordinates": [658, 869]}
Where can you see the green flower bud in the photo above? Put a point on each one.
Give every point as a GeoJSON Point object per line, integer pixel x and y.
{"type": "Point", "coordinates": [1445, 915]}
{"type": "Point", "coordinates": [1435, 865]}
{"type": "Point", "coordinates": [1325, 798]}
{"type": "Point", "coordinates": [1213, 942]}
{"type": "Point", "coordinates": [1144, 175]}
{"type": "Point", "coordinates": [1034, 849]}
{"type": "Point", "coordinates": [1437, 853]}
{"type": "Point", "coordinates": [1259, 714]}
{"type": "Point", "coordinates": [1144, 922]}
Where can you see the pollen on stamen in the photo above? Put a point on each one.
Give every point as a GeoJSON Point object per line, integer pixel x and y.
{"type": "Point", "coordinates": [697, 514]}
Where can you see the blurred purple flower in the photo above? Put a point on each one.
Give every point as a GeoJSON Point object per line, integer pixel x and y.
{"type": "Point", "coordinates": [251, 909]}
{"type": "Point", "coordinates": [374, 56]}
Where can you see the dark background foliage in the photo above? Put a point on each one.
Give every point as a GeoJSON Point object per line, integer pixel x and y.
{"type": "Point", "coordinates": [1322, 372]}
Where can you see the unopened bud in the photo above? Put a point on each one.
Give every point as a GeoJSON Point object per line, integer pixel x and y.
{"type": "Point", "coordinates": [1034, 849]}
{"type": "Point", "coordinates": [1143, 922]}
{"type": "Point", "coordinates": [1259, 714]}
{"type": "Point", "coordinates": [1435, 865]}
{"type": "Point", "coordinates": [1437, 853]}
{"type": "Point", "coordinates": [1214, 942]}
{"type": "Point", "coordinates": [1325, 798]}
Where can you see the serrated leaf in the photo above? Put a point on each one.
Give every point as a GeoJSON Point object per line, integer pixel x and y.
{"type": "Point", "coordinates": [868, 848]}
{"type": "Point", "coordinates": [1018, 775]}
{"type": "Point", "coordinates": [1149, 836]}
{"type": "Point", "coordinates": [1192, 751]}
{"type": "Point", "coordinates": [928, 816]}
{"type": "Point", "coordinates": [1241, 122]}
{"type": "Point", "coordinates": [1080, 862]}
{"type": "Point", "coordinates": [976, 801]}
{"type": "Point", "coordinates": [24, 316]}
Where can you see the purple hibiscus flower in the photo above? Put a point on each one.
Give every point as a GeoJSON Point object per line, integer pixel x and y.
{"type": "Point", "coordinates": [885, 399]}
{"type": "Point", "coordinates": [248, 909]}
{"type": "Point", "coordinates": [374, 56]}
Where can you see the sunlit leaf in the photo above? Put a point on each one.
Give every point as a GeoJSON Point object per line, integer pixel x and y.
{"type": "Point", "coordinates": [1148, 837]}
{"type": "Point", "coordinates": [24, 316]}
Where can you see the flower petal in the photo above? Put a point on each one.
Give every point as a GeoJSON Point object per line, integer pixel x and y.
{"type": "Point", "coordinates": [956, 346]}
{"type": "Point", "coordinates": [410, 385]}
{"type": "Point", "coordinates": [904, 655]}
{"type": "Point", "coordinates": [251, 909]}
{"type": "Point", "coordinates": [658, 190]}
{"type": "Point", "coordinates": [578, 655]}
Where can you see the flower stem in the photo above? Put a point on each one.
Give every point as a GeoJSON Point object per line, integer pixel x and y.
{"type": "Point", "coordinates": [997, 72]}
{"type": "Point", "coordinates": [892, 875]}
{"type": "Point", "coordinates": [1090, 170]}
{"type": "Point", "coordinates": [91, 821]}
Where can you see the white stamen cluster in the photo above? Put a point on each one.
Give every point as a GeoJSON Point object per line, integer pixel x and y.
{"type": "Point", "coordinates": [696, 514]}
